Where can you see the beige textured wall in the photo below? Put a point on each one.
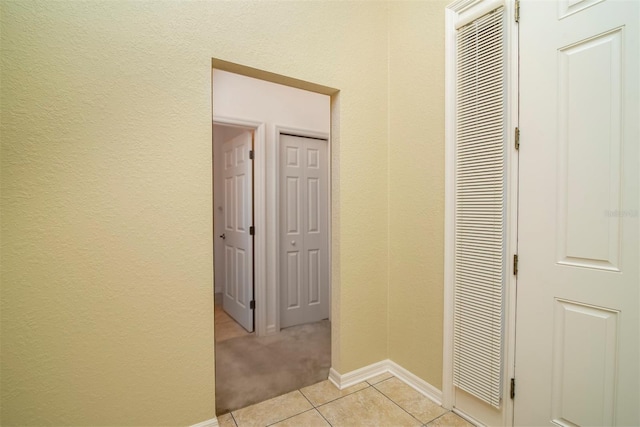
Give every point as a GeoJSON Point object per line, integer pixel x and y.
{"type": "Point", "coordinates": [416, 186]}
{"type": "Point", "coordinates": [107, 290]}
{"type": "Point", "coordinates": [106, 194]}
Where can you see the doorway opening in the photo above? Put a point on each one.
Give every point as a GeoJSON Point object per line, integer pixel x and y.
{"type": "Point", "coordinates": [272, 239]}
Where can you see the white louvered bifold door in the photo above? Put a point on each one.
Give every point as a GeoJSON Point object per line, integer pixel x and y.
{"type": "Point", "coordinates": [480, 207]}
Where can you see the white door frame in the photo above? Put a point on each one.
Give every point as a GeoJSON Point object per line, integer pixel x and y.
{"type": "Point", "coordinates": [277, 130]}
{"type": "Point", "coordinates": [259, 206]}
{"type": "Point", "coordinates": [457, 14]}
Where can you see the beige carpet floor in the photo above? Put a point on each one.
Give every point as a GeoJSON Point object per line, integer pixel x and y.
{"type": "Point", "coordinates": [252, 369]}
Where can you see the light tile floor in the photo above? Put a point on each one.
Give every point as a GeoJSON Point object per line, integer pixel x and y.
{"type": "Point", "coordinates": [380, 401]}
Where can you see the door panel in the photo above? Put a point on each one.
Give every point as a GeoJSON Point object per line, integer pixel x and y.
{"type": "Point", "coordinates": [314, 205]}
{"type": "Point", "coordinates": [293, 205]}
{"type": "Point", "coordinates": [584, 341]}
{"type": "Point", "coordinates": [293, 279]}
{"type": "Point", "coordinates": [588, 141]}
{"type": "Point", "coordinates": [238, 243]}
{"type": "Point", "coordinates": [303, 230]}
{"type": "Point", "coordinates": [577, 338]}
{"type": "Point", "coordinates": [230, 289]}
{"type": "Point", "coordinates": [314, 276]}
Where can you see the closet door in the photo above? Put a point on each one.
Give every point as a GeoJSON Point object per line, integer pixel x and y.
{"type": "Point", "coordinates": [578, 337]}
{"type": "Point", "coordinates": [480, 217]}
{"type": "Point", "coordinates": [304, 234]}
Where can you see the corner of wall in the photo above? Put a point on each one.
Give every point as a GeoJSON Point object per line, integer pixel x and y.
{"type": "Point", "coordinates": [416, 187]}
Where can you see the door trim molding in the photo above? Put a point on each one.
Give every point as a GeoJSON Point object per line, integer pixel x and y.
{"type": "Point", "coordinates": [259, 208]}
{"type": "Point", "coordinates": [277, 130]}
{"type": "Point", "coordinates": [458, 13]}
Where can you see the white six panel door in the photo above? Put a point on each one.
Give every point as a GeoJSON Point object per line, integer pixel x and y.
{"type": "Point", "coordinates": [304, 260]}
{"type": "Point", "coordinates": [238, 243]}
{"type": "Point", "coordinates": [577, 335]}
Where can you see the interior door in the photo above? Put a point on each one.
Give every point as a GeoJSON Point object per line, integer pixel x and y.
{"type": "Point", "coordinates": [577, 312]}
{"type": "Point", "coordinates": [304, 234]}
{"type": "Point", "coordinates": [238, 218]}
{"type": "Point", "coordinates": [483, 223]}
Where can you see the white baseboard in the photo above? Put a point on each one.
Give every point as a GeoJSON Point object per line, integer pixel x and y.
{"type": "Point", "coordinates": [469, 418]}
{"type": "Point", "coordinates": [334, 377]}
{"type": "Point", "coordinates": [416, 382]}
{"type": "Point", "coordinates": [343, 381]}
{"type": "Point", "coordinates": [213, 422]}
{"type": "Point", "coordinates": [357, 376]}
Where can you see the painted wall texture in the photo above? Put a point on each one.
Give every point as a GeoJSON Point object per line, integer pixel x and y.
{"type": "Point", "coordinates": [416, 187]}
{"type": "Point", "coordinates": [106, 186]}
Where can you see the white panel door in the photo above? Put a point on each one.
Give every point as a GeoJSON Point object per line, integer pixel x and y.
{"type": "Point", "coordinates": [304, 258]}
{"type": "Point", "coordinates": [238, 218]}
{"type": "Point", "coordinates": [578, 330]}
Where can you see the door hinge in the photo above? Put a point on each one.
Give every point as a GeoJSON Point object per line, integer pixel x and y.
{"type": "Point", "coordinates": [515, 265]}
{"type": "Point", "coordinates": [251, 154]}
{"type": "Point", "coordinates": [252, 230]}
{"type": "Point", "coordinates": [517, 138]}
{"type": "Point", "coordinates": [516, 12]}
{"type": "Point", "coordinates": [252, 305]}
{"type": "Point", "coordinates": [512, 392]}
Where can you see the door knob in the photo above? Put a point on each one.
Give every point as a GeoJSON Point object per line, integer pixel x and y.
{"type": "Point", "coordinates": [293, 242]}
{"type": "Point", "coordinates": [222, 236]}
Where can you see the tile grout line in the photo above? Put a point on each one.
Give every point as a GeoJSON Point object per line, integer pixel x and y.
{"type": "Point", "coordinates": [277, 421]}
{"type": "Point", "coordinates": [340, 397]}
{"type": "Point", "coordinates": [398, 405]}
{"type": "Point", "coordinates": [313, 408]}
{"type": "Point", "coordinates": [288, 418]}
{"type": "Point", "coordinates": [233, 418]}
{"type": "Point", "coordinates": [381, 381]}
{"type": "Point", "coordinates": [439, 417]}
{"type": "Point", "coordinates": [294, 415]}
{"type": "Point", "coordinates": [430, 421]}
{"type": "Point", "coordinates": [323, 417]}
{"type": "Point", "coordinates": [308, 400]}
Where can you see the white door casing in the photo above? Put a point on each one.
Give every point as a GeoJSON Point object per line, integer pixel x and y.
{"type": "Point", "coordinates": [238, 218]}
{"type": "Point", "coordinates": [304, 222]}
{"type": "Point", "coordinates": [577, 340]}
